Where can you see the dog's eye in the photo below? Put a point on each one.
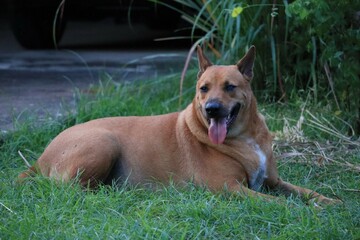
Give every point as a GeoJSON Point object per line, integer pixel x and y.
{"type": "Point", "coordinates": [204, 89]}
{"type": "Point", "coordinates": [229, 88]}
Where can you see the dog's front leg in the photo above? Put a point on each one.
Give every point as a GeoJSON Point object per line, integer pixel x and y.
{"type": "Point", "coordinates": [304, 193]}
{"type": "Point", "coordinates": [244, 192]}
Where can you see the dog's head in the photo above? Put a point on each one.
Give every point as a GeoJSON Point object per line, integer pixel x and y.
{"type": "Point", "coordinates": [223, 95]}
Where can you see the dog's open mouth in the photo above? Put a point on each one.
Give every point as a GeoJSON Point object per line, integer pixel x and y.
{"type": "Point", "coordinates": [219, 127]}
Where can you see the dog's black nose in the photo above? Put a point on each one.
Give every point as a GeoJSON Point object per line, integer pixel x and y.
{"type": "Point", "coordinates": [213, 108]}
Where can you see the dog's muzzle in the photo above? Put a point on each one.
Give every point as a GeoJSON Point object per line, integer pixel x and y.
{"type": "Point", "coordinates": [220, 120]}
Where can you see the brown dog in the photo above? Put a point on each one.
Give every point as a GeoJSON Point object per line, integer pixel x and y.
{"type": "Point", "coordinates": [219, 140]}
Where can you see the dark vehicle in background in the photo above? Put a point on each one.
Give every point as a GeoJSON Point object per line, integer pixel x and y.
{"type": "Point", "coordinates": [41, 23]}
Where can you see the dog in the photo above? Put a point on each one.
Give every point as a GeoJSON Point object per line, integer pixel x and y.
{"type": "Point", "coordinates": [219, 140]}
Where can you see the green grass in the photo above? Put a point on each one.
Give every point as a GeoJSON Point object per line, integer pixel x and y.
{"type": "Point", "coordinates": [321, 160]}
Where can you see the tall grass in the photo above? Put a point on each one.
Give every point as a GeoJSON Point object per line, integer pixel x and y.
{"type": "Point", "coordinates": [221, 27]}
{"type": "Point", "coordinates": [228, 28]}
{"type": "Point", "coordinates": [44, 209]}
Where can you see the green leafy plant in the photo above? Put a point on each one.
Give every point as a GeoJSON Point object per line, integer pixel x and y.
{"type": "Point", "coordinates": [306, 49]}
{"type": "Point", "coordinates": [327, 32]}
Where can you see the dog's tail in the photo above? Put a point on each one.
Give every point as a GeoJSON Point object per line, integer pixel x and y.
{"type": "Point", "coordinates": [31, 171]}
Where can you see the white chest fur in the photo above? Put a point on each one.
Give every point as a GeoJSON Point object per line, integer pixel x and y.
{"type": "Point", "coordinates": [259, 175]}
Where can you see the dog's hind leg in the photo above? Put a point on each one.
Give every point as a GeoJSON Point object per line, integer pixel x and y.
{"type": "Point", "coordinates": [91, 163]}
{"type": "Point", "coordinates": [87, 156]}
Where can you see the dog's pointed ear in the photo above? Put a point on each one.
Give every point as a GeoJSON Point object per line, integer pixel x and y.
{"type": "Point", "coordinates": [246, 64]}
{"type": "Point", "coordinates": [204, 62]}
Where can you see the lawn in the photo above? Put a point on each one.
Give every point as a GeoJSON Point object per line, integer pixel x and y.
{"type": "Point", "coordinates": [312, 148]}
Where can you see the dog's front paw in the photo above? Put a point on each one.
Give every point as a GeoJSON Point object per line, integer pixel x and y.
{"type": "Point", "coordinates": [331, 201]}
{"type": "Point", "coordinates": [324, 201]}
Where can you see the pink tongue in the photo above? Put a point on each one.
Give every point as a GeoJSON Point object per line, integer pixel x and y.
{"type": "Point", "coordinates": [217, 130]}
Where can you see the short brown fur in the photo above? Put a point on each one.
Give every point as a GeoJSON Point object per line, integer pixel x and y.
{"type": "Point", "coordinates": [178, 146]}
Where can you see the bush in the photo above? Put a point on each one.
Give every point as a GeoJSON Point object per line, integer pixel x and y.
{"type": "Point", "coordinates": [306, 49]}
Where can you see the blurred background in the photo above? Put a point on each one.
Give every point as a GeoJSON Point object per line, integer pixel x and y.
{"type": "Point", "coordinates": [307, 51]}
{"type": "Point", "coordinates": [81, 23]}
{"type": "Point", "coordinates": [48, 48]}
